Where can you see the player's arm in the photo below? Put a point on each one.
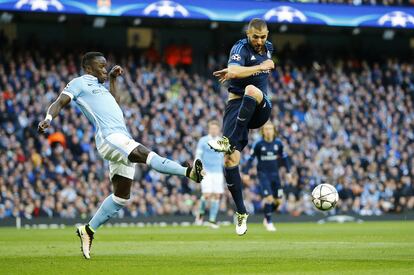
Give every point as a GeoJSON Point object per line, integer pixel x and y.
{"type": "Point", "coordinates": [284, 161]}
{"type": "Point", "coordinates": [236, 71]}
{"type": "Point", "coordinates": [236, 65]}
{"type": "Point", "coordinates": [53, 111]}
{"type": "Point", "coordinates": [253, 154]}
{"type": "Point", "coordinates": [113, 74]}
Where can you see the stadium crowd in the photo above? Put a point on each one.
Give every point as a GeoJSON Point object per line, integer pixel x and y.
{"type": "Point", "coordinates": [345, 122]}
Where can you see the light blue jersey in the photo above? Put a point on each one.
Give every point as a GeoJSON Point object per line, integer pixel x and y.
{"type": "Point", "coordinates": [98, 105]}
{"type": "Point", "coordinates": [212, 161]}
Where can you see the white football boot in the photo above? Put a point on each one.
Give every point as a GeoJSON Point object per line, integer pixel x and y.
{"type": "Point", "coordinates": [86, 241]}
{"type": "Point", "coordinates": [221, 145]}
{"type": "Point", "coordinates": [241, 223]}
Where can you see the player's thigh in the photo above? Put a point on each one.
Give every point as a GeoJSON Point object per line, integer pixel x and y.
{"type": "Point", "coordinates": [213, 183]}
{"type": "Point", "coordinates": [265, 184]}
{"type": "Point", "coordinates": [261, 114]}
{"type": "Point", "coordinates": [117, 147]}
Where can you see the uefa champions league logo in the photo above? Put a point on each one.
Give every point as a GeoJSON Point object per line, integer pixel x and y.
{"type": "Point", "coordinates": [396, 18]}
{"type": "Point", "coordinates": [285, 14]}
{"type": "Point", "coordinates": [39, 4]}
{"type": "Point", "coordinates": [166, 8]}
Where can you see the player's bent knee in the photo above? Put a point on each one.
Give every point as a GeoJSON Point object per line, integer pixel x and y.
{"type": "Point", "coordinates": [253, 91]}
{"type": "Point", "coordinates": [139, 154]}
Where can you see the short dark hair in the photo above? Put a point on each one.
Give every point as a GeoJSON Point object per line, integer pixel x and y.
{"type": "Point", "coordinates": [88, 57]}
{"type": "Point", "coordinates": [257, 23]}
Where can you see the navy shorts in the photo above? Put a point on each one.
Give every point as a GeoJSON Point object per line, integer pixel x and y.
{"type": "Point", "coordinates": [259, 118]}
{"type": "Point", "coordinates": [270, 185]}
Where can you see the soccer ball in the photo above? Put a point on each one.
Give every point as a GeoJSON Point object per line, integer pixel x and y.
{"type": "Point", "coordinates": [324, 197]}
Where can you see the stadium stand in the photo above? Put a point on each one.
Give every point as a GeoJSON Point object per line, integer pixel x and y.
{"type": "Point", "coordinates": [345, 121]}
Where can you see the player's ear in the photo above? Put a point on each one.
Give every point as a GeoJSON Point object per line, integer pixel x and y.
{"type": "Point", "coordinates": [248, 31]}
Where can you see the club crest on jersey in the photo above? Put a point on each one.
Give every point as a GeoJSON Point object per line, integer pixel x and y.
{"type": "Point", "coordinates": [97, 91]}
{"type": "Point", "coordinates": [275, 147]}
{"type": "Point", "coordinates": [236, 57]}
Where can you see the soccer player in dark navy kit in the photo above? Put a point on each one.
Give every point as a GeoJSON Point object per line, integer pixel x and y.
{"type": "Point", "coordinates": [270, 157]}
{"type": "Point", "coordinates": [247, 108]}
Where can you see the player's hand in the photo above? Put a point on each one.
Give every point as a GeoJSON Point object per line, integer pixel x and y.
{"type": "Point", "coordinates": [116, 71]}
{"type": "Point", "coordinates": [43, 125]}
{"type": "Point", "coordinates": [267, 65]}
{"type": "Point", "coordinates": [223, 75]}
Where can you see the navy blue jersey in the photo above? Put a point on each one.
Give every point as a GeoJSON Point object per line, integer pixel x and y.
{"type": "Point", "coordinates": [270, 156]}
{"type": "Point", "coordinates": [243, 54]}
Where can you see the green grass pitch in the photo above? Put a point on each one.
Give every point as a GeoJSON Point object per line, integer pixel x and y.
{"type": "Point", "coordinates": [296, 248]}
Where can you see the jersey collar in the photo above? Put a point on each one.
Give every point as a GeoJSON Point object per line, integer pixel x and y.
{"type": "Point", "coordinates": [90, 77]}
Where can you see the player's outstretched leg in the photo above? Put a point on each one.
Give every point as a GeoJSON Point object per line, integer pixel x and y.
{"type": "Point", "coordinates": [163, 165]}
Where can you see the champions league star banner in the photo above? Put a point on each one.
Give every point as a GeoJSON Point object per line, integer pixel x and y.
{"type": "Point", "coordinates": [228, 10]}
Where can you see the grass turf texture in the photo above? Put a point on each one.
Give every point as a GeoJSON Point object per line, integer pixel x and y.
{"type": "Point", "coordinates": [367, 248]}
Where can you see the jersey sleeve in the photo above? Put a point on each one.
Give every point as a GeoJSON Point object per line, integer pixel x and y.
{"type": "Point", "coordinates": [237, 55]}
{"type": "Point", "coordinates": [253, 154]}
{"type": "Point", "coordinates": [270, 49]}
{"type": "Point", "coordinates": [283, 157]}
{"type": "Point", "coordinates": [73, 88]}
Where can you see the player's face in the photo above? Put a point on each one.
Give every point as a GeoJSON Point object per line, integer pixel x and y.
{"type": "Point", "coordinates": [257, 38]}
{"type": "Point", "coordinates": [213, 130]}
{"type": "Point", "coordinates": [98, 67]}
{"type": "Point", "coordinates": [268, 132]}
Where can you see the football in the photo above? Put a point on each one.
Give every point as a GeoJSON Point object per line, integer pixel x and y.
{"type": "Point", "coordinates": [325, 197]}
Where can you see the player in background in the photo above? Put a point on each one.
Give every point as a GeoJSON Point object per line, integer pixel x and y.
{"type": "Point", "coordinates": [247, 108]}
{"type": "Point", "coordinates": [270, 157]}
{"type": "Point", "coordinates": [212, 185]}
{"type": "Point", "coordinates": [113, 140]}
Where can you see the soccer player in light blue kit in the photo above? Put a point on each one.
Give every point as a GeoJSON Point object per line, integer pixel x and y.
{"type": "Point", "coordinates": [113, 140]}
{"type": "Point", "coordinates": [212, 185]}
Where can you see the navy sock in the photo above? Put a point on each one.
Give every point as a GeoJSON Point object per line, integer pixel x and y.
{"type": "Point", "coordinates": [234, 184]}
{"type": "Point", "coordinates": [246, 112]}
{"type": "Point", "coordinates": [268, 210]}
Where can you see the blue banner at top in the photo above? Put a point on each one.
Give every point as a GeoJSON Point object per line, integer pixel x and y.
{"type": "Point", "coordinates": [233, 11]}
